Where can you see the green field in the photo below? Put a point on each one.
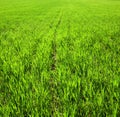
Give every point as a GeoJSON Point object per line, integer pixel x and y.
{"type": "Point", "coordinates": [59, 58]}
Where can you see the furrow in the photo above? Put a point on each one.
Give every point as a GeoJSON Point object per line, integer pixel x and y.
{"type": "Point", "coordinates": [54, 104]}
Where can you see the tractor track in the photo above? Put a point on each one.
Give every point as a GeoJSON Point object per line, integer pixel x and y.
{"type": "Point", "coordinates": [53, 83]}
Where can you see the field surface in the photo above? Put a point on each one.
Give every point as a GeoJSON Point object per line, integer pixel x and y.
{"type": "Point", "coordinates": [59, 58]}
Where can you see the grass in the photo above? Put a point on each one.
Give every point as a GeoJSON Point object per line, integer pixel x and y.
{"type": "Point", "coordinates": [60, 58]}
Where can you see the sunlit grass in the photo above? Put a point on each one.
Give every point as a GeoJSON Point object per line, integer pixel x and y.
{"type": "Point", "coordinates": [60, 58]}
